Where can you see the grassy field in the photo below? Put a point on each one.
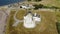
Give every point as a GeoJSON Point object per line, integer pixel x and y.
{"type": "Point", "coordinates": [58, 16]}
{"type": "Point", "coordinates": [21, 14]}
{"type": "Point", "coordinates": [48, 3]}
{"type": "Point", "coordinates": [51, 2]}
{"type": "Point", "coordinates": [46, 26]}
{"type": "Point", "coordinates": [58, 21]}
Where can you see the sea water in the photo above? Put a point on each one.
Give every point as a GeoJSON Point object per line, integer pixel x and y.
{"type": "Point", "coordinates": [6, 2]}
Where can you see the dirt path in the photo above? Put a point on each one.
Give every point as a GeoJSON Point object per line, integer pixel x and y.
{"type": "Point", "coordinates": [2, 22]}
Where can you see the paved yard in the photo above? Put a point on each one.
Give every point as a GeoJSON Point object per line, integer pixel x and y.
{"type": "Point", "coordinates": [2, 22]}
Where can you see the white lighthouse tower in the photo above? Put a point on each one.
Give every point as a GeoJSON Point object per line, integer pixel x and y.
{"type": "Point", "coordinates": [31, 19]}
{"type": "Point", "coordinates": [28, 21]}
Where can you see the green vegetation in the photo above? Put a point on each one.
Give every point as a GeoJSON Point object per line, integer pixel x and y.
{"type": "Point", "coordinates": [58, 27]}
{"type": "Point", "coordinates": [41, 28]}
{"type": "Point", "coordinates": [55, 3]}
{"type": "Point", "coordinates": [28, 0]}
{"type": "Point", "coordinates": [58, 21]}
{"type": "Point", "coordinates": [38, 6]}
{"type": "Point", "coordinates": [38, 0]}
{"type": "Point", "coordinates": [35, 0]}
{"type": "Point", "coordinates": [42, 6]}
{"type": "Point", "coordinates": [58, 16]}
{"type": "Point", "coordinates": [46, 23]}
{"type": "Point", "coordinates": [20, 14]}
{"type": "Point", "coordinates": [9, 27]}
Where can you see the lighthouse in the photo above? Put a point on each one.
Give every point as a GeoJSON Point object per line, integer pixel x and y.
{"type": "Point", "coordinates": [31, 19]}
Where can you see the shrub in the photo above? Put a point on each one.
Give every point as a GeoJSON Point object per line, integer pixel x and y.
{"type": "Point", "coordinates": [58, 27]}
{"type": "Point", "coordinates": [38, 6]}
{"type": "Point", "coordinates": [38, 0]}
{"type": "Point", "coordinates": [29, 0]}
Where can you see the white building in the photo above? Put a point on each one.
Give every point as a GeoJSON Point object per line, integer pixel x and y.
{"type": "Point", "coordinates": [30, 20]}
{"type": "Point", "coordinates": [36, 17]}
{"type": "Point", "coordinates": [26, 6]}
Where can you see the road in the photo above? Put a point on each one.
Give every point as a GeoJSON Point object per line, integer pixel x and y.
{"type": "Point", "coordinates": [3, 18]}
{"type": "Point", "coordinates": [2, 22]}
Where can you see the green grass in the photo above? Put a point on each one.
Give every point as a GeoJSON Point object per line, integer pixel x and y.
{"type": "Point", "coordinates": [10, 21]}
{"type": "Point", "coordinates": [47, 23]}
{"type": "Point", "coordinates": [49, 3]}
{"type": "Point", "coordinates": [20, 14]}
{"type": "Point", "coordinates": [58, 16]}
{"type": "Point", "coordinates": [52, 3]}
{"type": "Point", "coordinates": [46, 26]}
{"type": "Point", "coordinates": [58, 21]}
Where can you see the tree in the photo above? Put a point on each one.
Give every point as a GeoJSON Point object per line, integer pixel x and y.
{"type": "Point", "coordinates": [58, 27]}
{"type": "Point", "coordinates": [39, 0]}
{"type": "Point", "coordinates": [36, 6]}
{"type": "Point", "coordinates": [40, 6]}
{"type": "Point", "coordinates": [29, 0]}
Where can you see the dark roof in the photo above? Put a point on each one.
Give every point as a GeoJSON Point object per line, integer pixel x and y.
{"type": "Point", "coordinates": [29, 12]}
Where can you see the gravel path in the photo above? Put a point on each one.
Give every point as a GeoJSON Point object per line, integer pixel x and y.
{"type": "Point", "coordinates": [2, 22]}
{"type": "Point", "coordinates": [3, 18]}
{"type": "Point", "coordinates": [17, 21]}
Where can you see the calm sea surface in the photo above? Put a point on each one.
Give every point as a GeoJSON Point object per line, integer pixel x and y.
{"type": "Point", "coordinates": [6, 2]}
